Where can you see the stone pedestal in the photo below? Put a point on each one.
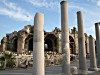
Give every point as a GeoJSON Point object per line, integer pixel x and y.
{"type": "Point", "coordinates": [81, 42]}
{"type": "Point", "coordinates": [38, 45]}
{"type": "Point", "coordinates": [93, 64]}
{"type": "Point", "coordinates": [65, 38]}
{"type": "Point", "coordinates": [97, 30]}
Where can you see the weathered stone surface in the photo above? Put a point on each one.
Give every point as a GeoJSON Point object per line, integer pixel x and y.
{"type": "Point", "coordinates": [74, 70]}
{"type": "Point", "coordinates": [27, 29]}
{"type": "Point", "coordinates": [21, 41]}
{"type": "Point", "coordinates": [54, 36]}
{"type": "Point", "coordinates": [3, 43]}
{"type": "Point", "coordinates": [38, 45]}
{"type": "Point", "coordinates": [97, 30]}
{"type": "Point", "coordinates": [59, 43]}
{"type": "Point", "coordinates": [65, 38]}
{"type": "Point", "coordinates": [93, 63]}
{"type": "Point", "coordinates": [81, 40]}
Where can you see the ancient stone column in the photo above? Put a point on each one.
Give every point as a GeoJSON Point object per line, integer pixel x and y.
{"type": "Point", "coordinates": [97, 30]}
{"type": "Point", "coordinates": [76, 44]}
{"type": "Point", "coordinates": [81, 42]}
{"type": "Point", "coordinates": [59, 43]}
{"type": "Point", "coordinates": [21, 41]}
{"type": "Point", "coordinates": [87, 46]}
{"type": "Point", "coordinates": [38, 45]}
{"type": "Point", "coordinates": [93, 64]}
{"type": "Point", "coordinates": [65, 38]}
{"type": "Point", "coordinates": [3, 43]}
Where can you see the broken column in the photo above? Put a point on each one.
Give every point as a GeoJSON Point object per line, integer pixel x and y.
{"type": "Point", "coordinates": [38, 45]}
{"type": "Point", "coordinates": [81, 42]}
{"type": "Point", "coordinates": [97, 30]}
{"type": "Point", "coordinates": [65, 38]}
{"type": "Point", "coordinates": [93, 64]}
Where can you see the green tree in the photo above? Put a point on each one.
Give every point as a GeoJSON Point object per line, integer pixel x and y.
{"type": "Point", "coordinates": [9, 60]}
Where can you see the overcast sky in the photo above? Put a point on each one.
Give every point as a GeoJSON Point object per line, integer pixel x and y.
{"type": "Point", "coordinates": [15, 14]}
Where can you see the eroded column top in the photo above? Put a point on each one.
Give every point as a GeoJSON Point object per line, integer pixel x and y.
{"type": "Point", "coordinates": [79, 12]}
{"type": "Point", "coordinates": [63, 2]}
{"type": "Point", "coordinates": [39, 20]}
{"type": "Point", "coordinates": [98, 23]}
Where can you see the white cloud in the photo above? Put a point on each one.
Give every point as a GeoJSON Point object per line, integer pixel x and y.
{"type": "Point", "coordinates": [16, 15]}
{"type": "Point", "coordinates": [44, 3]}
{"type": "Point", "coordinates": [11, 5]}
{"type": "Point", "coordinates": [15, 12]}
{"type": "Point", "coordinates": [97, 2]}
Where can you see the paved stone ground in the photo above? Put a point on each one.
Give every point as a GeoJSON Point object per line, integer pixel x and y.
{"type": "Point", "coordinates": [53, 70]}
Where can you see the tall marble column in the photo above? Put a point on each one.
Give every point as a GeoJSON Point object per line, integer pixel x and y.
{"type": "Point", "coordinates": [97, 30]}
{"type": "Point", "coordinates": [81, 42]}
{"type": "Point", "coordinates": [38, 45]}
{"type": "Point", "coordinates": [65, 38]}
{"type": "Point", "coordinates": [93, 64]}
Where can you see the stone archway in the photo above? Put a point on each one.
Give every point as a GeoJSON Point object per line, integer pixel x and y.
{"type": "Point", "coordinates": [30, 44]}
{"type": "Point", "coordinates": [72, 48]}
{"type": "Point", "coordinates": [50, 43]}
{"type": "Point", "coordinates": [15, 41]}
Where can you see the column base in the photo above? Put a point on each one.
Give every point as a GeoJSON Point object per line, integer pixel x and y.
{"type": "Point", "coordinates": [74, 70]}
{"type": "Point", "coordinates": [93, 69]}
{"type": "Point", "coordinates": [64, 74]}
{"type": "Point", "coordinates": [98, 66]}
{"type": "Point", "coordinates": [82, 72]}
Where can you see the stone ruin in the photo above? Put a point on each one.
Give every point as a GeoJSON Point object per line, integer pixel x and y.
{"type": "Point", "coordinates": [21, 41]}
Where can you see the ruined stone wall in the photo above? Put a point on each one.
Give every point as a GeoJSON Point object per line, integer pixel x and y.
{"type": "Point", "coordinates": [25, 35]}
